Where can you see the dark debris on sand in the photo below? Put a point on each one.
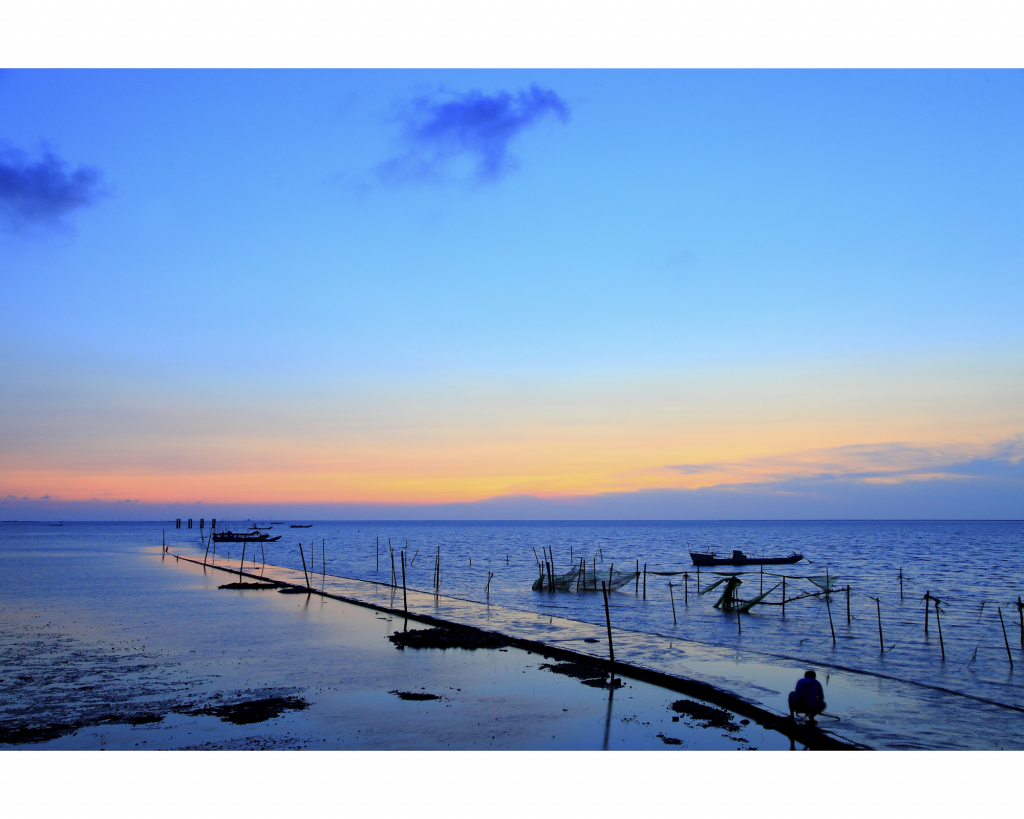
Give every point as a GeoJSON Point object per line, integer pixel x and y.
{"type": "Point", "coordinates": [588, 673]}
{"type": "Point", "coordinates": [669, 740]}
{"type": "Point", "coordinates": [248, 712]}
{"type": "Point", "coordinates": [707, 715]}
{"type": "Point", "coordinates": [415, 695]}
{"type": "Point", "coordinates": [238, 585]}
{"type": "Point", "coordinates": [465, 638]}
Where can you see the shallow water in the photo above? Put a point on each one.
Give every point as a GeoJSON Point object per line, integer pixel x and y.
{"type": "Point", "coordinates": [964, 564]}
{"type": "Point", "coordinates": [103, 626]}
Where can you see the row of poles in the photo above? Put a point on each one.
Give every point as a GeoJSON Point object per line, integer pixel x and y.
{"type": "Point", "coordinates": [548, 569]}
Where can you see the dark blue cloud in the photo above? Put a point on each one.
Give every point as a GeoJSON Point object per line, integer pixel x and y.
{"type": "Point", "coordinates": [478, 128]}
{"type": "Point", "coordinates": [40, 193]}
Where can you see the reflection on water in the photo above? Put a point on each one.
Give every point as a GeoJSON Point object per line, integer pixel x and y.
{"type": "Point", "coordinates": [974, 568]}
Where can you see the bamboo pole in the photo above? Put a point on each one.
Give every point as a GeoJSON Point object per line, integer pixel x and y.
{"type": "Point", "coordinates": [394, 577]}
{"type": "Point", "coordinates": [698, 578]}
{"type": "Point", "coordinates": [1008, 655]}
{"type": "Point", "coordinates": [241, 565]}
{"type": "Point", "coordinates": [673, 599]}
{"type": "Point", "coordinates": [847, 605]}
{"type": "Point", "coordinates": [901, 582]}
{"type": "Point", "coordinates": [938, 622]}
{"type": "Point", "coordinates": [762, 578]}
{"type": "Point", "coordinates": [1020, 612]}
{"type": "Point", "coordinates": [405, 597]}
{"type": "Point", "coordinates": [686, 588]}
{"type": "Point", "coordinates": [832, 627]}
{"type": "Point", "coordinates": [303, 556]}
{"type": "Point", "coordinates": [636, 588]}
{"type": "Point", "coordinates": [208, 542]}
{"type": "Point", "coordinates": [878, 608]}
{"type": "Point", "coordinates": [783, 596]}
{"type": "Point", "coordinates": [608, 622]}
{"type": "Point", "coordinates": [927, 600]}
{"type": "Point", "coordinates": [645, 581]}
{"type": "Point", "coordinates": [378, 553]}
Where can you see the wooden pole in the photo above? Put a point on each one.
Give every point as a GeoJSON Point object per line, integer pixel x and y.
{"type": "Point", "coordinates": [378, 553]}
{"type": "Point", "coordinates": [636, 588]}
{"type": "Point", "coordinates": [645, 581]}
{"type": "Point", "coordinates": [242, 564]}
{"type": "Point", "coordinates": [323, 556]}
{"type": "Point", "coordinates": [878, 608]}
{"type": "Point", "coordinates": [394, 577]}
{"type": "Point", "coordinates": [829, 607]}
{"type": "Point", "coordinates": [698, 578]}
{"type": "Point", "coordinates": [927, 600]}
{"type": "Point", "coordinates": [1020, 611]}
{"type": "Point", "coordinates": [783, 596]}
{"type": "Point", "coordinates": [901, 582]}
{"type": "Point", "coordinates": [303, 556]}
{"type": "Point", "coordinates": [405, 597]}
{"type": "Point", "coordinates": [536, 558]}
{"type": "Point", "coordinates": [938, 622]}
{"type": "Point", "coordinates": [762, 579]}
{"type": "Point", "coordinates": [847, 605]}
{"type": "Point", "coordinates": [208, 542]}
{"type": "Point", "coordinates": [673, 599]}
{"type": "Point", "coordinates": [608, 622]}
{"type": "Point", "coordinates": [1008, 655]}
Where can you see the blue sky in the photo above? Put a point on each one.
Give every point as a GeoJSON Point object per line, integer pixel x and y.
{"type": "Point", "coordinates": [434, 287]}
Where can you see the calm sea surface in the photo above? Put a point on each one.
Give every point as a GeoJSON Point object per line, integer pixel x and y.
{"type": "Point", "coordinates": [975, 568]}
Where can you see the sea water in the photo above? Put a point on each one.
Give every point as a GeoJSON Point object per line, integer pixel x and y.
{"type": "Point", "coordinates": [974, 568]}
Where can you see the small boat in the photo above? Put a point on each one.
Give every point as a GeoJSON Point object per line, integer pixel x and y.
{"type": "Point", "coordinates": [740, 559]}
{"type": "Point", "coordinates": [276, 522]}
{"type": "Point", "coordinates": [301, 526]}
{"type": "Point", "coordinates": [56, 524]}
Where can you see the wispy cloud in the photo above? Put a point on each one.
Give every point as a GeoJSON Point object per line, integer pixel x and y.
{"type": "Point", "coordinates": [874, 463]}
{"type": "Point", "coordinates": [42, 192]}
{"type": "Point", "coordinates": [443, 133]}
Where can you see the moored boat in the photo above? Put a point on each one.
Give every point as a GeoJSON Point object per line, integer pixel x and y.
{"type": "Point", "coordinates": [740, 559]}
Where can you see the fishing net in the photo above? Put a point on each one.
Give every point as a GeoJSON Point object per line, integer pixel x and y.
{"type": "Point", "coordinates": [584, 581]}
{"type": "Point", "coordinates": [824, 582]}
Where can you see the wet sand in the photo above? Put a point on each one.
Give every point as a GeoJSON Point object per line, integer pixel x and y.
{"type": "Point", "coordinates": [126, 649]}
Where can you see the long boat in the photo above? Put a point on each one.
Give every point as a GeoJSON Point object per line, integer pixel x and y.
{"type": "Point", "coordinates": [740, 559]}
{"type": "Point", "coordinates": [301, 526]}
{"type": "Point", "coordinates": [242, 537]}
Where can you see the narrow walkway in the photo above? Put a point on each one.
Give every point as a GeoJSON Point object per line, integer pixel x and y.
{"type": "Point", "coordinates": [874, 712]}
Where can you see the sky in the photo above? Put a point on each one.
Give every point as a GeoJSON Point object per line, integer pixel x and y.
{"type": "Point", "coordinates": [512, 294]}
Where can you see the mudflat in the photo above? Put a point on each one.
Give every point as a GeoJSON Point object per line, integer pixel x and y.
{"type": "Point", "coordinates": [107, 646]}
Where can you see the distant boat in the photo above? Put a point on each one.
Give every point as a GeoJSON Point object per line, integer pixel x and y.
{"type": "Point", "coordinates": [262, 528]}
{"type": "Point", "coordinates": [276, 522]}
{"type": "Point", "coordinates": [56, 524]}
{"type": "Point", "coordinates": [740, 559]}
{"type": "Point", "coordinates": [301, 526]}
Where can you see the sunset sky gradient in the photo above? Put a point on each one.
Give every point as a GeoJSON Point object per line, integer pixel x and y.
{"type": "Point", "coordinates": [513, 294]}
